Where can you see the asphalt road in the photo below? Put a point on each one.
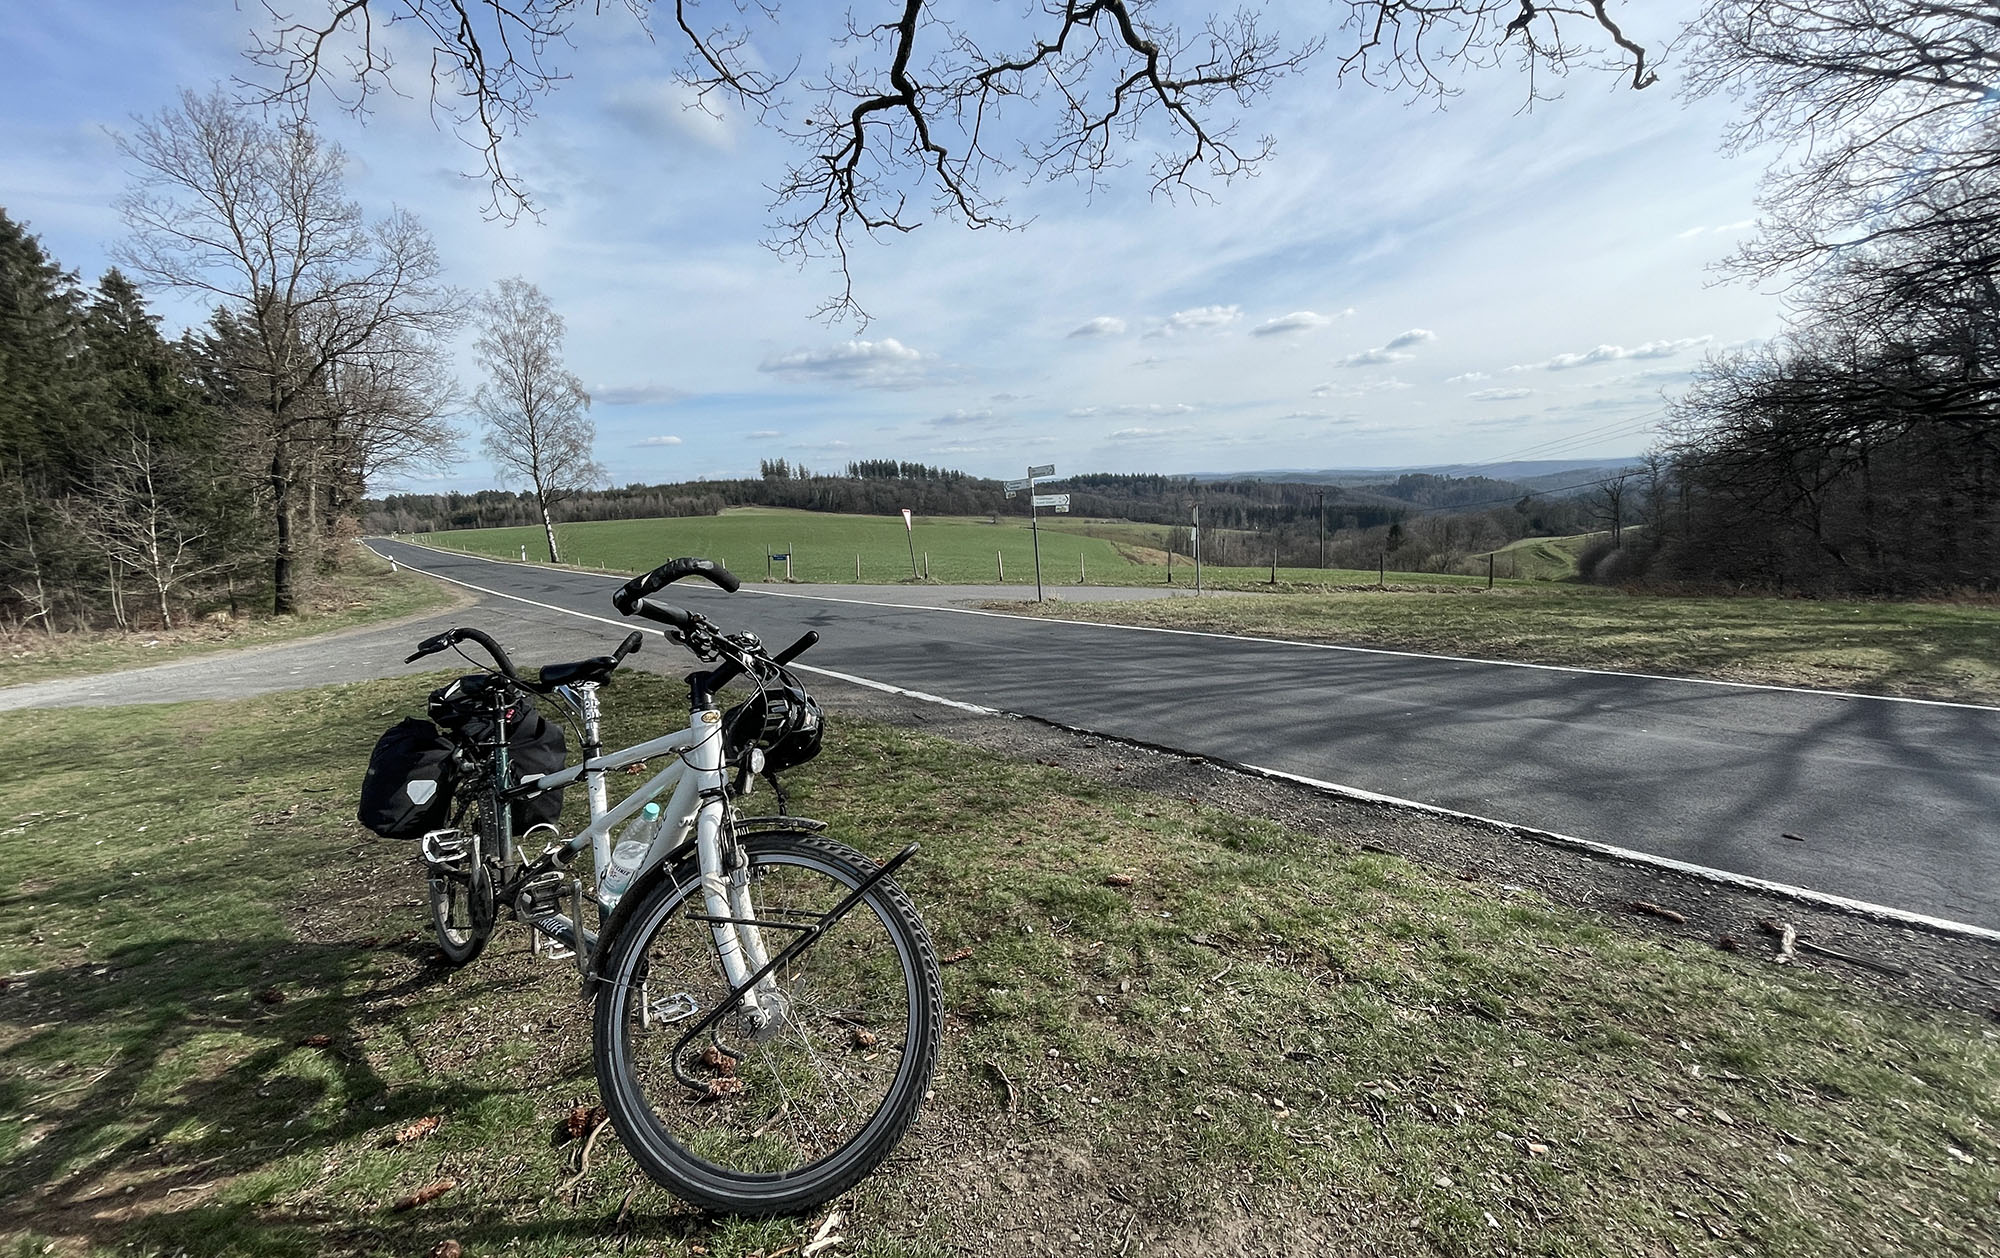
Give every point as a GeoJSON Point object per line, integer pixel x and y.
{"type": "Point", "coordinates": [1895, 802]}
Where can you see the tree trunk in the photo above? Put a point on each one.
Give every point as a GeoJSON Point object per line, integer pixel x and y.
{"type": "Point", "coordinates": [284, 596]}
{"type": "Point", "coordinates": [549, 530]}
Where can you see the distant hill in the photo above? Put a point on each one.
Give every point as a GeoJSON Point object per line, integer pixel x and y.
{"type": "Point", "coordinates": [1541, 475]}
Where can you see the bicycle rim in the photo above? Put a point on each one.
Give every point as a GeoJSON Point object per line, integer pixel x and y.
{"type": "Point", "coordinates": [796, 1115]}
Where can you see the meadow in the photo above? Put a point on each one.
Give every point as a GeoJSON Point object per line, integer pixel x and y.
{"type": "Point", "coordinates": [1173, 1028]}
{"type": "Point", "coordinates": [961, 550]}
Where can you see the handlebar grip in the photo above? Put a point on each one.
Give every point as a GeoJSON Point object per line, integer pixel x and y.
{"type": "Point", "coordinates": [673, 570]}
{"type": "Point", "coordinates": [796, 649]}
{"type": "Point", "coordinates": [629, 646]}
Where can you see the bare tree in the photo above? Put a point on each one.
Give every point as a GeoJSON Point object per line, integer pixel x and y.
{"type": "Point", "coordinates": [910, 118]}
{"type": "Point", "coordinates": [1884, 107]}
{"type": "Point", "coordinates": [533, 407]}
{"type": "Point", "coordinates": [134, 519]}
{"type": "Point", "coordinates": [256, 216]}
{"type": "Point", "coordinates": [1610, 506]}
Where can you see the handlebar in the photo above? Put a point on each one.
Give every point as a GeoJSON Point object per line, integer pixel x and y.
{"type": "Point", "coordinates": [442, 641]}
{"type": "Point", "coordinates": [629, 594]}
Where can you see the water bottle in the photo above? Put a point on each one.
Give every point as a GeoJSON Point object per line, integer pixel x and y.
{"type": "Point", "coordinates": [633, 843]}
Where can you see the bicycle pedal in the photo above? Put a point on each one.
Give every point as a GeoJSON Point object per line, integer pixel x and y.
{"type": "Point", "coordinates": [540, 895]}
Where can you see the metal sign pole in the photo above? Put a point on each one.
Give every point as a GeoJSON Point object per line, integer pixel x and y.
{"type": "Point", "coordinates": [1035, 531]}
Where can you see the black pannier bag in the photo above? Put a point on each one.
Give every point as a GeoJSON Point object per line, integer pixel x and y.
{"type": "Point", "coordinates": [534, 743]}
{"type": "Point", "coordinates": [407, 790]}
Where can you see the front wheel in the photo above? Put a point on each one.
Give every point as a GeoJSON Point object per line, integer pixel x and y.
{"type": "Point", "coordinates": [795, 1112]}
{"type": "Point", "coordinates": [463, 906]}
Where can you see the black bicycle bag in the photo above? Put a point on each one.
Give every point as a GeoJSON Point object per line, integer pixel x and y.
{"type": "Point", "coordinates": [536, 744]}
{"type": "Point", "coordinates": [407, 790]}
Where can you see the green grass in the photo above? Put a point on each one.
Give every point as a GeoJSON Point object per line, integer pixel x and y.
{"type": "Point", "coordinates": [824, 547]}
{"type": "Point", "coordinates": [1536, 558]}
{"type": "Point", "coordinates": [1266, 1043]}
{"type": "Point", "coordinates": [363, 592]}
{"type": "Point", "coordinates": [1929, 650]}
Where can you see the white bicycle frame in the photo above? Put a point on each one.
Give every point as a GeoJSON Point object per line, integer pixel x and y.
{"type": "Point", "coordinates": [697, 782]}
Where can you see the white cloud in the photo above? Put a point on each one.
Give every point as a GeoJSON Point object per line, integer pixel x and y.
{"type": "Point", "coordinates": [1499, 395]}
{"type": "Point", "coordinates": [1200, 319]}
{"type": "Point", "coordinates": [1386, 385]}
{"type": "Point", "coordinates": [1415, 336]}
{"type": "Point", "coordinates": [1297, 321]}
{"type": "Point", "coordinates": [955, 419]}
{"type": "Point", "coordinates": [658, 441]}
{"type": "Point", "coordinates": [1466, 377]}
{"type": "Point", "coordinates": [1150, 409]}
{"type": "Point", "coordinates": [661, 109]}
{"type": "Point", "coordinates": [1375, 358]}
{"type": "Point", "coordinates": [1615, 353]}
{"type": "Point", "coordinates": [1150, 434]}
{"type": "Point", "coordinates": [883, 364]}
{"type": "Point", "coordinates": [636, 394]}
{"type": "Point", "coordinates": [1102, 325]}
{"type": "Point", "coordinates": [766, 434]}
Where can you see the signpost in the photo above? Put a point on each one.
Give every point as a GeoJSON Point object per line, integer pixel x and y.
{"type": "Point", "coordinates": [910, 530]}
{"type": "Point", "coordinates": [1060, 502]}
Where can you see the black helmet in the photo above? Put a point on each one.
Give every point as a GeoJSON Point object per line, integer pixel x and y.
{"type": "Point", "coordinates": [781, 719]}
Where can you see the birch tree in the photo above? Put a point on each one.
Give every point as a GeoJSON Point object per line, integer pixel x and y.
{"type": "Point", "coordinates": [537, 431]}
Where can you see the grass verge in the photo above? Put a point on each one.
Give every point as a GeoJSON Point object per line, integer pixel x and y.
{"type": "Point", "coordinates": [363, 592]}
{"type": "Point", "coordinates": [1924, 650]}
{"type": "Point", "coordinates": [216, 1019]}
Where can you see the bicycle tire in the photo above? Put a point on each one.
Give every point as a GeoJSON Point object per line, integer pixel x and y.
{"type": "Point", "coordinates": [463, 907]}
{"type": "Point", "coordinates": [867, 990]}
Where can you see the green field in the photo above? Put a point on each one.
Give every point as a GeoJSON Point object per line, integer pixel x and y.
{"type": "Point", "coordinates": [825, 548]}
{"type": "Point", "coordinates": [1173, 1029]}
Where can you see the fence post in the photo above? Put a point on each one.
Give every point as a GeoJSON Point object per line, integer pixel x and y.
{"type": "Point", "coordinates": [927, 565]}
{"type": "Point", "coordinates": [1000, 562]}
{"type": "Point", "coordinates": [1382, 571]}
{"type": "Point", "coordinates": [857, 567]}
{"type": "Point", "coordinates": [1489, 569]}
{"type": "Point", "coordinates": [1082, 576]}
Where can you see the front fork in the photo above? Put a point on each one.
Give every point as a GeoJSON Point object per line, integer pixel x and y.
{"type": "Point", "coordinates": [732, 916]}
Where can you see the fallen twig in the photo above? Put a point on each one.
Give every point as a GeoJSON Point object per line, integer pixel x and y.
{"type": "Point", "coordinates": [583, 1160]}
{"type": "Point", "coordinates": [1654, 910]}
{"type": "Point", "coordinates": [1013, 1093]}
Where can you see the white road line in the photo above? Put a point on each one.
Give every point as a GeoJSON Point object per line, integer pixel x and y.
{"type": "Point", "coordinates": [1312, 646]}
{"type": "Point", "coordinates": [1592, 846]}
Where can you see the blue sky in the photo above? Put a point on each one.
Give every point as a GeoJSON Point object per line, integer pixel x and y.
{"type": "Point", "coordinates": [1400, 285]}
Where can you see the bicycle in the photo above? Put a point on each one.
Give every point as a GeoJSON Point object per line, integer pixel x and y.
{"type": "Point", "coordinates": [744, 1073]}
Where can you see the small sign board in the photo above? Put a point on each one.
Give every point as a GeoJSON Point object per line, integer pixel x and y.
{"type": "Point", "coordinates": [1059, 501]}
{"type": "Point", "coordinates": [1046, 469]}
{"type": "Point", "coordinates": [786, 555]}
{"type": "Point", "coordinates": [1015, 486]}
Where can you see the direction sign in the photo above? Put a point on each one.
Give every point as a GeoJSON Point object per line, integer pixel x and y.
{"type": "Point", "coordinates": [1046, 469]}
{"type": "Point", "coordinates": [1059, 501]}
{"type": "Point", "coordinates": [1016, 486]}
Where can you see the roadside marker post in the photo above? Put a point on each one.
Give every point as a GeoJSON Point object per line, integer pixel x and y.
{"type": "Point", "coordinates": [1194, 539]}
{"type": "Point", "coordinates": [910, 530]}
